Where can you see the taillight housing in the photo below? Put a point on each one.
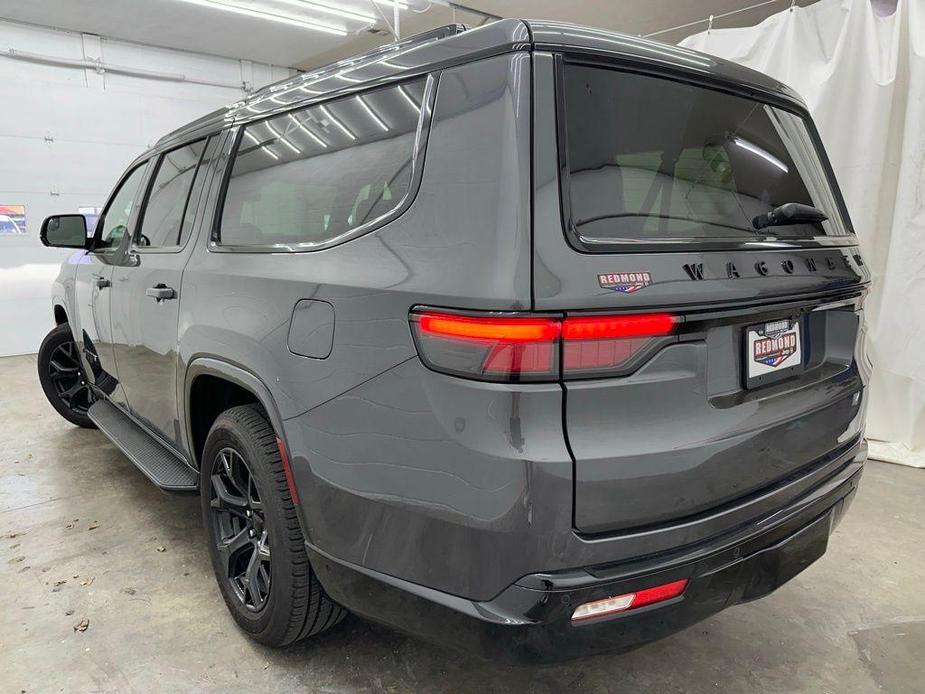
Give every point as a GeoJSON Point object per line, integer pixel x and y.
{"type": "Point", "coordinates": [489, 347]}
{"type": "Point", "coordinates": [533, 347]}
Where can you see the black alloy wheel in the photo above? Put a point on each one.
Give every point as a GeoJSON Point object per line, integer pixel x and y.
{"type": "Point", "coordinates": [240, 531]}
{"type": "Point", "coordinates": [62, 376]}
{"type": "Point", "coordinates": [64, 372]}
{"type": "Point", "coordinates": [249, 514]}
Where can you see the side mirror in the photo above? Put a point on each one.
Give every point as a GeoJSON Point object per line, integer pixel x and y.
{"type": "Point", "coordinates": [65, 231]}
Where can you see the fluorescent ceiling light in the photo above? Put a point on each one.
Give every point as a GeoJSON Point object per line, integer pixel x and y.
{"type": "Point", "coordinates": [353, 80]}
{"type": "Point", "coordinates": [282, 139]}
{"type": "Point", "coordinates": [391, 3]}
{"type": "Point", "coordinates": [308, 132]}
{"type": "Point", "coordinates": [764, 154]}
{"type": "Point", "coordinates": [372, 114]}
{"type": "Point", "coordinates": [269, 16]}
{"type": "Point", "coordinates": [409, 99]}
{"type": "Point", "coordinates": [257, 142]}
{"type": "Point", "coordinates": [336, 122]}
{"type": "Point", "coordinates": [332, 8]}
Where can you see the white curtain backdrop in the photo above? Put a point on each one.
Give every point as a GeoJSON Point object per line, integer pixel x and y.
{"type": "Point", "coordinates": [863, 78]}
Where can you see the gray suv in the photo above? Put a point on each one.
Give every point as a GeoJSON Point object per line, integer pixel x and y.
{"type": "Point", "coordinates": [533, 340]}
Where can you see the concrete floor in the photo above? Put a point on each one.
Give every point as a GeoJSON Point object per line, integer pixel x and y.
{"type": "Point", "coordinates": [83, 535]}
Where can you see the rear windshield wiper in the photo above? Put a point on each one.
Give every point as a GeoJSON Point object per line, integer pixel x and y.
{"type": "Point", "coordinates": [789, 213]}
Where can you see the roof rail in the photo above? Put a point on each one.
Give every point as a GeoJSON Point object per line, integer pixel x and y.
{"type": "Point", "coordinates": [370, 68]}
{"type": "Point", "coordinates": [442, 32]}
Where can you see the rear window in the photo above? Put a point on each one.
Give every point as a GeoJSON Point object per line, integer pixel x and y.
{"type": "Point", "coordinates": [309, 177]}
{"type": "Point", "coordinates": [651, 159]}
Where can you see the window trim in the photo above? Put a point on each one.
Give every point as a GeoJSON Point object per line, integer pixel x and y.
{"type": "Point", "coordinates": [143, 209]}
{"type": "Point", "coordinates": [417, 166]}
{"type": "Point", "coordinates": [581, 245]}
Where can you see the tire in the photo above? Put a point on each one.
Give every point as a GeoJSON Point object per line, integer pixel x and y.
{"type": "Point", "coordinates": [276, 605]}
{"type": "Point", "coordinates": [62, 378]}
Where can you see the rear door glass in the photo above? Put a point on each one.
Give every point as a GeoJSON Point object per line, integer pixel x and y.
{"type": "Point", "coordinates": [650, 158]}
{"type": "Point", "coordinates": [165, 223]}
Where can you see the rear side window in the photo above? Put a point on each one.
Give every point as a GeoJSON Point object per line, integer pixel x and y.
{"type": "Point", "coordinates": [309, 177]}
{"type": "Point", "coordinates": [651, 159]}
{"type": "Point", "coordinates": [165, 222]}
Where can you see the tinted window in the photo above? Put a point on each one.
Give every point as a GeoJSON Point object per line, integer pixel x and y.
{"type": "Point", "coordinates": [114, 223]}
{"type": "Point", "coordinates": [165, 222]}
{"type": "Point", "coordinates": [310, 176]}
{"type": "Point", "coordinates": [651, 158]}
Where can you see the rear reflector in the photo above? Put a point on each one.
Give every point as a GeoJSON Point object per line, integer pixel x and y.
{"type": "Point", "coordinates": [629, 601]}
{"type": "Point", "coordinates": [527, 347]}
{"type": "Point", "coordinates": [287, 470]}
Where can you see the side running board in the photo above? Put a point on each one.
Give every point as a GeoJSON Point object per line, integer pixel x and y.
{"type": "Point", "coordinates": [159, 464]}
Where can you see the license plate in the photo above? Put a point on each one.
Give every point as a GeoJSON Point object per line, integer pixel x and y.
{"type": "Point", "coordinates": [772, 350]}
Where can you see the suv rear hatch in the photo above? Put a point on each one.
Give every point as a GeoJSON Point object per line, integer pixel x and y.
{"type": "Point", "coordinates": [666, 187]}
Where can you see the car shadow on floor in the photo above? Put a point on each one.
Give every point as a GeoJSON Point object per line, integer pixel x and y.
{"type": "Point", "coordinates": [357, 655]}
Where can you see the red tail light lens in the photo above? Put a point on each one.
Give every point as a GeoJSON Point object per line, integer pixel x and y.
{"type": "Point", "coordinates": [528, 347]}
{"type": "Point", "coordinates": [596, 344]}
{"type": "Point", "coordinates": [612, 327]}
{"type": "Point", "coordinates": [500, 348]}
{"type": "Point", "coordinates": [512, 330]}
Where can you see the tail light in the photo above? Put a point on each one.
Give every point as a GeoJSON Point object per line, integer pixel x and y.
{"type": "Point", "coordinates": [531, 347]}
{"type": "Point", "coordinates": [593, 345]}
{"type": "Point", "coordinates": [493, 348]}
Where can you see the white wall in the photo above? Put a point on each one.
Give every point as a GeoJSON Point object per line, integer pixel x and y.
{"type": "Point", "coordinates": [862, 74]}
{"type": "Point", "coordinates": [66, 134]}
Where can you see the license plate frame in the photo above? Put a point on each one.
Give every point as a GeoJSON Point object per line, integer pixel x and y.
{"type": "Point", "coordinates": [773, 351]}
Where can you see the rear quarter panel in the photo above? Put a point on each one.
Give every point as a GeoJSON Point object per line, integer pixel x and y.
{"type": "Point", "coordinates": [464, 241]}
{"type": "Point", "coordinates": [388, 461]}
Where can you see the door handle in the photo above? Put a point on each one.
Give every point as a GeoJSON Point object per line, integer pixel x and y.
{"type": "Point", "coordinates": [161, 292]}
{"type": "Point", "coordinates": [102, 283]}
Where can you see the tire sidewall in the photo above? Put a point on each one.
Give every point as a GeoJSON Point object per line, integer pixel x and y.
{"type": "Point", "coordinates": [228, 433]}
{"type": "Point", "coordinates": [57, 337]}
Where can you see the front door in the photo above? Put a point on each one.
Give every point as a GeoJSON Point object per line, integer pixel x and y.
{"type": "Point", "coordinates": [93, 285]}
{"type": "Point", "coordinates": [146, 291]}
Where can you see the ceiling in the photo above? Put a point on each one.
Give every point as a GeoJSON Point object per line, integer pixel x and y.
{"type": "Point", "coordinates": [318, 35]}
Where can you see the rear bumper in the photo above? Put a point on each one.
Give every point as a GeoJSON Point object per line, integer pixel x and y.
{"type": "Point", "coordinates": [530, 621]}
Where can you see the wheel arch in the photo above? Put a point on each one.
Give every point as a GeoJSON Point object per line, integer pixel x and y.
{"type": "Point", "coordinates": [223, 385]}
{"type": "Point", "coordinates": [60, 314]}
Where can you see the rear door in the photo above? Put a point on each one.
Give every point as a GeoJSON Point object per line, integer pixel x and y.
{"type": "Point", "coordinates": [756, 382]}
{"type": "Point", "coordinates": [147, 285]}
